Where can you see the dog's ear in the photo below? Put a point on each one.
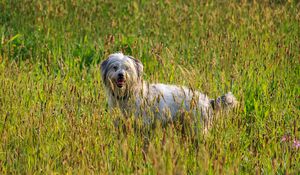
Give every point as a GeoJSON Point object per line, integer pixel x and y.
{"type": "Point", "coordinates": [104, 69]}
{"type": "Point", "coordinates": [139, 66]}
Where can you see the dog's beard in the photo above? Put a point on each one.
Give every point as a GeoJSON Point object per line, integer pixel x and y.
{"type": "Point", "coordinates": [120, 89]}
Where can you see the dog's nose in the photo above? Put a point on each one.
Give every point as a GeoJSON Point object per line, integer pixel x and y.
{"type": "Point", "coordinates": [121, 75]}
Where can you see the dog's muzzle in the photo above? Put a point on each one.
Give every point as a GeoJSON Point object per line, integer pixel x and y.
{"type": "Point", "coordinates": [121, 80]}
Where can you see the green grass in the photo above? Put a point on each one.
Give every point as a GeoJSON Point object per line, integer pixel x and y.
{"type": "Point", "coordinates": [53, 109]}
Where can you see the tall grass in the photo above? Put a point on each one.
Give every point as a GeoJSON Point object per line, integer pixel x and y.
{"type": "Point", "coordinates": [53, 111]}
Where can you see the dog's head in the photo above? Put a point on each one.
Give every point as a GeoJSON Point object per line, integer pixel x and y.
{"type": "Point", "coordinates": [121, 72]}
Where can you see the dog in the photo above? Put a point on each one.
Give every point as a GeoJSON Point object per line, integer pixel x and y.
{"type": "Point", "coordinates": [126, 90]}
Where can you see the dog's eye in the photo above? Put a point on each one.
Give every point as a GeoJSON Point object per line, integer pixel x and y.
{"type": "Point", "coordinates": [115, 68]}
{"type": "Point", "coordinates": [126, 67]}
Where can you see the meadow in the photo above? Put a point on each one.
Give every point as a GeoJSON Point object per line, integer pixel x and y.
{"type": "Point", "coordinates": [54, 117]}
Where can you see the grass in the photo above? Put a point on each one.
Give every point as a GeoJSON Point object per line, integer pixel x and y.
{"type": "Point", "coordinates": [53, 109]}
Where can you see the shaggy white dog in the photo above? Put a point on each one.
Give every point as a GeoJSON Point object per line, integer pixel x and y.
{"type": "Point", "coordinates": [126, 90]}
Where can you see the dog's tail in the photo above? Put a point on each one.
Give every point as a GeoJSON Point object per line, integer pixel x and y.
{"type": "Point", "coordinates": [224, 102]}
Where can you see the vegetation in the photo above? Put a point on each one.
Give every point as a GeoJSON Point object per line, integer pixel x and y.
{"type": "Point", "coordinates": [53, 110]}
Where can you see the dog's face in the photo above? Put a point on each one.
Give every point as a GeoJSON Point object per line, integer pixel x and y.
{"type": "Point", "coordinates": [120, 72]}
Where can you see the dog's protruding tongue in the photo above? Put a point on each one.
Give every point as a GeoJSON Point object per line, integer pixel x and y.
{"type": "Point", "coordinates": [120, 82]}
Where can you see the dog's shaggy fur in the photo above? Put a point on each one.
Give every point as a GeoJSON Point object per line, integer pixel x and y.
{"type": "Point", "coordinates": [126, 90]}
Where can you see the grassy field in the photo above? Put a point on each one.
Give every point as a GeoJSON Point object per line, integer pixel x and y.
{"type": "Point", "coordinates": [53, 111]}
